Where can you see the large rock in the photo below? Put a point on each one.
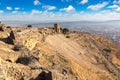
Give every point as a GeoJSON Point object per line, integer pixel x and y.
{"type": "Point", "coordinates": [14, 71]}
{"type": "Point", "coordinates": [57, 28]}
{"type": "Point", "coordinates": [82, 56]}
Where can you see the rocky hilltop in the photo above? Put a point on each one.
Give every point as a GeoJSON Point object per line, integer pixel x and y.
{"type": "Point", "coordinates": [31, 53]}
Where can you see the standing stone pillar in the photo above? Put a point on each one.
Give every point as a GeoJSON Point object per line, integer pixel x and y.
{"type": "Point", "coordinates": [57, 28]}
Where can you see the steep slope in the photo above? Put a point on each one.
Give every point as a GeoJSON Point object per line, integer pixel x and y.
{"type": "Point", "coordinates": [81, 56]}
{"type": "Point", "coordinates": [82, 50]}
{"type": "Point", "coordinates": [100, 45]}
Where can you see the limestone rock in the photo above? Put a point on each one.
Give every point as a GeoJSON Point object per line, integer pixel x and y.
{"type": "Point", "coordinates": [82, 56]}
{"type": "Point", "coordinates": [57, 28]}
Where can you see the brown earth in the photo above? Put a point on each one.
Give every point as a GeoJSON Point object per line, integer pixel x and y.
{"type": "Point", "coordinates": [36, 55]}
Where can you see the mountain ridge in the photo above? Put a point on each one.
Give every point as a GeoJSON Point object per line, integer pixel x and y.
{"type": "Point", "coordinates": [43, 54]}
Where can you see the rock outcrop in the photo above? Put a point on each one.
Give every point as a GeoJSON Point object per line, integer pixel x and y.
{"type": "Point", "coordinates": [82, 56]}
{"type": "Point", "coordinates": [57, 28]}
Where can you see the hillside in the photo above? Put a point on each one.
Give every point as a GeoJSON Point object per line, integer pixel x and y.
{"type": "Point", "coordinates": [47, 54]}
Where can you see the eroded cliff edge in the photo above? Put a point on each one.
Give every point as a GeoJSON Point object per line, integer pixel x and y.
{"type": "Point", "coordinates": [43, 54]}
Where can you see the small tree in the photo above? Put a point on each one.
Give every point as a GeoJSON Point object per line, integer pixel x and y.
{"type": "Point", "coordinates": [29, 26]}
{"type": "Point", "coordinates": [18, 30]}
{"type": "Point", "coordinates": [8, 27]}
{"type": "Point", "coordinates": [61, 29]}
{"type": "Point", "coordinates": [67, 36]}
{"type": "Point", "coordinates": [65, 30]}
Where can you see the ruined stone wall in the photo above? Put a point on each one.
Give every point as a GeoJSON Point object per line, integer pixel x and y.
{"type": "Point", "coordinates": [57, 28]}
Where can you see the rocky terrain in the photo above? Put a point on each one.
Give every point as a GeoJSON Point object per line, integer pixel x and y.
{"type": "Point", "coordinates": [31, 53]}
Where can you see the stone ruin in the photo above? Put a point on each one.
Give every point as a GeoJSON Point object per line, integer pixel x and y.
{"type": "Point", "coordinates": [1, 27]}
{"type": "Point", "coordinates": [57, 28]}
{"type": "Point", "coordinates": [50, 31]}
{"type": "Point", "coordinates": [5, 28]}
{"type": "Point", "coordinates": [10, 39]}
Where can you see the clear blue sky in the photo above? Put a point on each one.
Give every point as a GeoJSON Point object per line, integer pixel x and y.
{"type": "Point", "coordinates": [63, 10]}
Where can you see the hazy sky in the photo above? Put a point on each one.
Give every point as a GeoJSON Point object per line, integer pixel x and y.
{"type": "Point", "coordinates": [63, 10]}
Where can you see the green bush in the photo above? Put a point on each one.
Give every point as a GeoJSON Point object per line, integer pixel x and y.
{"type": "Point", "coordinates": [67, 36]}
{"type": "Point", "coordinates": [18, 30]}
{"type": "Point", "coordinates": [8, 27]}
{"type": "Point", "coordinates": [65, 30]}
{"type": "Point", "coordinates": [29, 26]}
{"type": "Point", "coordinates": [61, 29]}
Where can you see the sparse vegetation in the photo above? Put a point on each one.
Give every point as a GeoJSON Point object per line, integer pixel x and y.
{"type": "Point", "coordinates": [107, 50]}
{"type": "Point", "coordinates": [29, 26]}
{"type": "Point", "coordinates": [45, 54]}
{"type": "Point", "coordinates": [1, 29]}
{"type": "Point", "coordinates": [65, 30]}
{"type": "Point", "coordinates": [61, 29]}
{"type": "Point", "coordinates": [67, 36]}
{"type": "Point", "coordinates": [8, 27]}
{"type": "Point", "coordinates": [18, 30]}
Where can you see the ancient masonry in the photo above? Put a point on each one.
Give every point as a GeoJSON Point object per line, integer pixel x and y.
{"type": "Point", "coordinates": [1, 27]}
{"type": "Point", "coordinates": [52, 31]}
{"type": "Point", "coordinates": [57, 28]}
{"type": "Point", "coordinates": [11, 34]}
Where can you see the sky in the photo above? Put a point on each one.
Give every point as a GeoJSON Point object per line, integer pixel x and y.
{"type": "Point", "coordinates": [59, 10]}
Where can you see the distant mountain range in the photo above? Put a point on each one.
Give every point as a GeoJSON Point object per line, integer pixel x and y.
{"type": "Point", "coordinates": [39, 22]}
